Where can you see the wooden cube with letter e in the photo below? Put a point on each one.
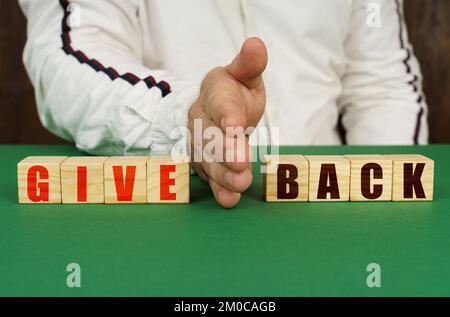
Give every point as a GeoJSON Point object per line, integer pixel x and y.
{"type": "Point", "coordinates": [168, 180]}
{"type": "Point", "coordinates": [285, 178]}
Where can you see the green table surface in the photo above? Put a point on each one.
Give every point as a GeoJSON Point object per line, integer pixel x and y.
{"type": "Point", "coordinates": [200, 249]}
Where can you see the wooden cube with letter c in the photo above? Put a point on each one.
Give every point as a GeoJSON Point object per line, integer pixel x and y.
{"type": "Point", "coordinates": [82, 180]}
{"type": "Point", "coordinates": [329, 178]}
{"type": "Point", "coordinates": [125, 180]}
{"type": "Point", "coordinates": [39, 179]}
{"type": "Point", "coordinates": [168, 180]}
{"type": "Point", "coordinates": [413, 177]}
{"type": "Point", "coordinates": [370, 178]}
{"type": "Point", "coordinates": [285, 178]}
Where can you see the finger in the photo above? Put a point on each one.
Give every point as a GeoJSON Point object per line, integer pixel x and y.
{"type": "Point", "coordinates": [250, 63]}
{"type": "Point", "coordinates": [223, 196]}
{"type": "Point", "coordinates": [235, 182]}
{"type": "Point", "coordinates": [237, 153]}
{"type": "Point", "coordinates": [226, 105]}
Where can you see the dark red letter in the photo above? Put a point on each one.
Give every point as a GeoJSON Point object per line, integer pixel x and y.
{"type": "Point", "coordinates": [284, 181]}
{"type": "Point", "coordinates": [365, 181]}
{"type": "Point", "coordinates": [328, 171]}
{"type": "Point", "coordinates": [412, 179]}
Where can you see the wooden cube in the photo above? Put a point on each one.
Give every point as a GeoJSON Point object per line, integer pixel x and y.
{"type": "Point", "coordinates": [39, 179]}
{"type": "Point", "coordinates": [413, 177]}
{"type": "Point", "coordinates": [168, 180]}
{"type": "Point", "coordinates": [82, 180]}
{"type": "Point", "coordinates": [329, 178]}
{"type": "Point", "coordinates": [125, 180]}
{"type": "Point", "coordinates": [370, 178]}
{"type": "Point", "coordinates": [285, 178]}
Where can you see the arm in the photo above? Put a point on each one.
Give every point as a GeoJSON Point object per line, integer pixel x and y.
{"type": "Point", "coordinates": [91, 85]}
{"type": "Point", "coordinates": [382, 100]}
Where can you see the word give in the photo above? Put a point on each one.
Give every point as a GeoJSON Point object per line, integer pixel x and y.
{"type": "Point", "coordinates": [110, 180]}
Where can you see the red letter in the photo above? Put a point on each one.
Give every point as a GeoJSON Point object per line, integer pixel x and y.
{"type": "Point", "coordinates": [33, 185]}
{"type": "Point", "coordinates": [166, 182]}
{"type": "Point", "coordinates": [124, 189]}
{"type": "Point", "coordinates": [82, 183]}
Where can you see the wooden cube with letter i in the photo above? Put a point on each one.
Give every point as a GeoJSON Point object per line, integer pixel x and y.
{"type": "Point", "coordinates": [82, 180]}
{"type": "Point", "coordinates": [285, 178]}
{"type": "Point", "coordinates": [168, 180]}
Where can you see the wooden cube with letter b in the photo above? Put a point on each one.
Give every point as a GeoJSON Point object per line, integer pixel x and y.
{"type": "Point", "coordinates": [285, 178]}
{"type": "Point", "coordinates": [82, 180]}
{"type": "Point", "coordinates": [39, 179]}
{"type": "Point", "coordinates": [370, 178]}
{"type": "Point", "coordinates": [329, 178]}
{"type": "Point", "coordinates": [413, 177]}
{"type": "Point", "coordinates": [125, 180]}
{"type": "Point", "coordinates": [168, 180]}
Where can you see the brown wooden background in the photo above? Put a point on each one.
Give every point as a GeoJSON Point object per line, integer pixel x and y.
{"type": "Point", "coordinates": [429, 26]}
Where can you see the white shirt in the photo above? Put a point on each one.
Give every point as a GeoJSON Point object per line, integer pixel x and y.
{"type": "Point", "coordinates": [96, 65]}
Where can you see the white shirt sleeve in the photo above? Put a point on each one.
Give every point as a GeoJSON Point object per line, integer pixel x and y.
{"type": "Point", "coordinates": [382, 100]}
{"type": "Point", "coordinates": [91, 86]}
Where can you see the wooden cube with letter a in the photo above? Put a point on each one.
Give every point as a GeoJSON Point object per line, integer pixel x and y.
{"type": "Point", "coordinates": [39, 179]}
{"type": "Point", "coordinates": [413, 177]}
{"type": "Point", "coordinates": [370, 178]}
{"type": "Point", "coordinates": [285, 178]}
{"type": "Point", "coordinates": [82, 180]}
{"type": "Point", "coordinates": [168, 180]}
{"type": "Point", "coordinates": [329, 178]}
{"type": "Point", "coordinates": [125, 180]}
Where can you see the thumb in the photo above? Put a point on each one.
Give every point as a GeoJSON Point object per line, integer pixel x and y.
{"type": "Point", "coordinates": [250, 63]}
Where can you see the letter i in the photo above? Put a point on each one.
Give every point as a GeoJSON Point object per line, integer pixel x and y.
{"type": "Point", "coordinates": [82, 183]}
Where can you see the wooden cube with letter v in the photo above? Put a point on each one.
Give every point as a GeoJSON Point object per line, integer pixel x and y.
{"type": "Point", "coordinates": [329, 178]}
{"type": "Point", "coordinates": [168, 180]}
{"type": "Point", "coordinates": [82, 180]}
{"type": "Point", "coordinates": [413, 177]}
{"type": "Point", "coordinates": [125, 180]}
{"type": "Point", "coordinates": [39, 179]}
{"type": "Point", "coordinates": [285, 178]}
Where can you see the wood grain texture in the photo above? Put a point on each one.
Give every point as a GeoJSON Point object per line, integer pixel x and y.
{"type": "Point", "coordinates": [421, 171]}
{"type": "Point", "coordinates": [323, 170]}
{"type": "Point", "coordinates": [175, 180]}
{"type": "Point", "coordinates": [129, 184]}
{"type": "Point", "coordinates": [370, 178]}
{"type": "Point", "coordinates": [46, 182]}
{"type": "Point", "coordinates": [288, 187]}
{"type": "Point", "coordinates": [91, 174]}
